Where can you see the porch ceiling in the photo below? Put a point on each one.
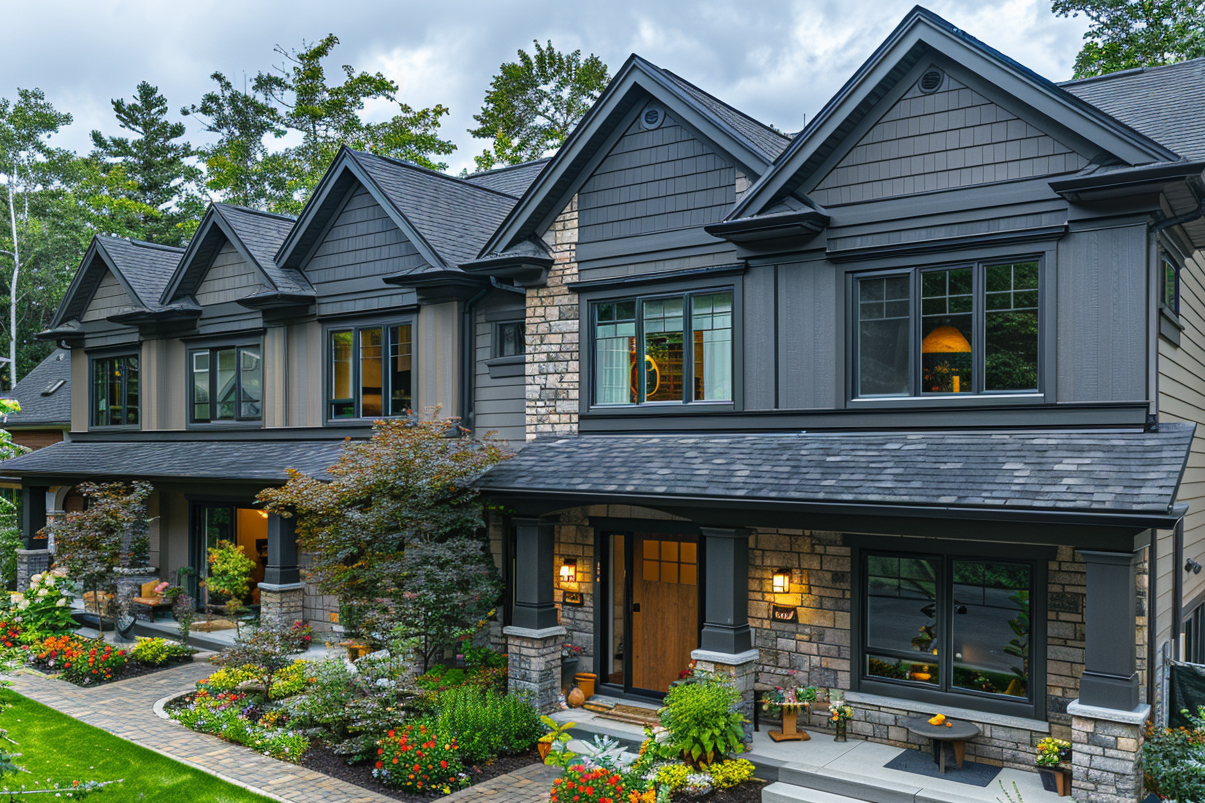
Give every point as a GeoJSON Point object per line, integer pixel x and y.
{"type": "Point", "coordinates": [1124, 476]}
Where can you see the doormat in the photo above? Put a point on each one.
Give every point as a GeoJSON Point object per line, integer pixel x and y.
{"type": "Point", "coordinates": [920, 762]}
{"type": "Point", "coordinates": [633, 715]}
{"type": "Point", "coordinates": [216, 624]}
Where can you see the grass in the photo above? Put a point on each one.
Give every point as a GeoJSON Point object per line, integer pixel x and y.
{"type": "Point", "coordinates": [55, 746]}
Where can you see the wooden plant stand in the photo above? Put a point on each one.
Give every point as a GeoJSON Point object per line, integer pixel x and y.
{"type": "Point", "coordinates": [789, 732]}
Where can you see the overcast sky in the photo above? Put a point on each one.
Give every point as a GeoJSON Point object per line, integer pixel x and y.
{"type": "Point", "coordinates": [776, 60]}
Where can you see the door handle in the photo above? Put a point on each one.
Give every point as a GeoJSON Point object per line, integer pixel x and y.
{"type": "Point", "coordinates": [635, 607]}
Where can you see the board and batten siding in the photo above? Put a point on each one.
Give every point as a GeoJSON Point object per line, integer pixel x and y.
{"type": "Point", "coordinates": [1182, 398]}
{"type": "Point", "coordinates": [305, 375]}
{"type": "Point", "coordinates": [229, 278]}
{"type": "Point", "coordinates": [437, 355]}
{"type": "Point", "coordinates": [954, 137]}
{"type": "Point", "coordinates": [498, 402]}
{"type": "Point", "coordinates": [80, 388]}
{"type": "Point", "coordinates": [165, 385]}
{"type": "Point", "coordinates": [361, 243]}
{"type": "Point", "coordinates": [108, 299]}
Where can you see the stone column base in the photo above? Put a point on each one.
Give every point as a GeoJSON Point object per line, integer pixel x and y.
{"type": "Point", "coordinates": [535, 663]}
{"type": "Point", "coordinates": [743, 668]}
{"type": "Point", "coordinates": [1106, 753]}
{"type": "Point", "coordinates": [29, 563]}
{"type": "Point", "coordinates": [281, 605]}
{"type": "Point", "coordinates": [129, 585]}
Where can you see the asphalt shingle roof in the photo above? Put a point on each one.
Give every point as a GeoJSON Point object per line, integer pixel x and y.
{"type": "Point", "coordinates": [1130, 472]}
{"type": "Point", "coordinates": [147, 267]}
{"type": "Point", "coordinates": [216, 460]}
{"type": "Point", "coordinates": [262, 234]}
{"type": "Point", "coordinates": [512, 180]}
{"type": "Point", "coordinates": [38, 406]}
{"type": "Point", "coordinates": [1166, 104]}
{"type": "Point", "coordinates": [768, 141]}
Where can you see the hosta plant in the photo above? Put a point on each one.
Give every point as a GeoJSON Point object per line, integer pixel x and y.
{"type": "Point", "coordinates": [702, 721]}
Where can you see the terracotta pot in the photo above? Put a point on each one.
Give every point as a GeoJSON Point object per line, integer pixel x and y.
{"type": "Point", "coordinates": [585, 682]}
{"type": "Point", "coordinates": [576, 698]}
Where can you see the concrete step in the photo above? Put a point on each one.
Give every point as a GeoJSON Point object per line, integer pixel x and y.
{"type": "Point", "coordinates": [786, 793]}
{"type": "Point", "coordinates": [848, 785]}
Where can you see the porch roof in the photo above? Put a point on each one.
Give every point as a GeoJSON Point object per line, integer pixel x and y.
{"type": "Point", "coordinates": [1126, 474]}
{"type": "Point", "coordinates": [242, 460]}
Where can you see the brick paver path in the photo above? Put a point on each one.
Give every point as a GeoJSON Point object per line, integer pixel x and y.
{"type": "Point", "coordinates": [125, 709]}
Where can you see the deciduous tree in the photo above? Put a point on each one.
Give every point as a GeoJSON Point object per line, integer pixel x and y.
{"type": "Point", "coordinates": [1136, 33]}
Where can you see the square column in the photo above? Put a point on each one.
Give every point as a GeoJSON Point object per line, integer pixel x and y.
{"type": "Point", "coordinates": [281, 594]}
{"type": "Point", "coordinates": [726, 598]}
{"type": "Point", "coordinates": [35, 557]}
{"type": "Point", "coordinates": [534, 637]}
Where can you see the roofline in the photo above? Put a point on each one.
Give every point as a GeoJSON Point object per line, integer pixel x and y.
{"type": "Point", "coordinates": [254, 211]}
{"type": "Point", "coordinates": [1122, 73]}
{"type": "Point", "coordinates": [504, 168]}
{"type": "Point", "coordinates": [786, 138]}
{"type": "Point", "coordinates": [213, 216]}
{"type": "Point", "coordinates": [413, 166]}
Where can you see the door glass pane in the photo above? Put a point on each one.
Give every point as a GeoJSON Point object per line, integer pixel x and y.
{"type": "Point", "coordinates": [200, 385]}
{"type": "Point", "coordinates": [343, 405]}
{"type": "Point", "coordinates": [100, 393]}
{"type": "Point", "coordinates": [227, 384]}
{"type": "Point", "coordinates": [371, 384]}
{"type": "Point", "coordinates": [131, 400]}
{"type": "Point", "coordinates": [663, 368]}
{"type": "Point", "coordinates": [400, 387]}
{"type": "Point", "coordinates": [615, 592]}
{"type": "Point", "coordinates": [947, 302]}
{"type": "Point", "coordinates": [883, 335]}
{"type": "Point", "coordinates": [1011, 335]}
{"type": "Point", "coordinates": [217, 524]}
{"type": "Point", "coordinates": [991, 627]}
{"type": "Point", "coordinates": [711, 332]}
{"type": "Point", "coordinates": [901, 618]}
{"type": "Point", "coordinates": [615, 377]}
{"type": "Point", "coordinates": [251, 383]}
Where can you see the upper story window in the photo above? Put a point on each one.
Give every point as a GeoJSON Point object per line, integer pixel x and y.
{"type": "Point", "coordinates": [115, 391]}
{"type": "Point", "coordinates": [371, 371]}
{"type": "Point", "coordinates": [227, 384]}
{"type": "Point", "coordinates": [943, 331]}
{"type": "Point", "coordinates": [1169, 280]}
{"type": "Point", "coordinates": [510, 339]}
{"type": "Point", "coordinates": [675, 348]}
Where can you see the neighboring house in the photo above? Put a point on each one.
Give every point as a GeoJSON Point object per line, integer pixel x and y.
{"type": "Point", "coordinates": [45, 398]}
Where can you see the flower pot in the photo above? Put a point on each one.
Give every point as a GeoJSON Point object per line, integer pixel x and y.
{"type": "Point", "coordinates": [568, 669]}
{"type": "Point", "coordinates": [840, 727]}
{"type": "Point", "coordinates": [543, 748]}
{"type": "Point", "coordinates": [585, 682]}
{"type": "Point", "coordinates": [1056, 779]}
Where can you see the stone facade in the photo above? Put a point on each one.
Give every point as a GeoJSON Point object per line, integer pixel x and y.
{"type": "Point", "coordinates": [535, 664]}
{"type": "Point", "coordinates": [29, 563]}
{"type": "Point", "coordinates": [552, 337]}
{"type": "Point", "coordinates": [1106, 758]}
{"type": "Point", "coordinates": [281, 605]}
{"type": "Point", "coordinates": [319, 609]}
{"type": "Point", "coordinates": [743, 669]}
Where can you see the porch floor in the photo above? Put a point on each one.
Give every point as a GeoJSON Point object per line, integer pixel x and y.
{"type": "Point", "coordinates": [855, 769]}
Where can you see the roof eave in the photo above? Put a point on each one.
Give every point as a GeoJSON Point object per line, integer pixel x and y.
{"type": "Point", "coordinates": [525, 271]}
{"type": "Point", "coordinates": [277, 299]}
{"type": "Point", "coordinates": [1148, 178]}
{"type": "Point", "coordinates": [438, 286]}
{"type": "Point", "coordinates": [801, 226]}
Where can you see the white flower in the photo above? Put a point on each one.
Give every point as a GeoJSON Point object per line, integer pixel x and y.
{"type": "Point", "coordinates": [43, 592]}
{"type": "Point", "coordinates": [15, 597]}
{"type": "Point", "coordinates": [62, 603]}
{"type": "Point", "coordinates": [37, 578]}
{"type": "Point", "coordinates": [23, 604]}
{"type": "Point", "coordinates": [50, 580]}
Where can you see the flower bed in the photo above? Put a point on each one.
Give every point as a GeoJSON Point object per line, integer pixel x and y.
{"type": "Point", "coordinates": [89, 662]}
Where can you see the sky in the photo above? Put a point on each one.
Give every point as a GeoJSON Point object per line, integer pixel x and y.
{"type": "Point", "coordinates": [776, 60]}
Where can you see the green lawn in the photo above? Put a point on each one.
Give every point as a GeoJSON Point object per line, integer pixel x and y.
{"type": "Point", "coordinates": [62, 749]}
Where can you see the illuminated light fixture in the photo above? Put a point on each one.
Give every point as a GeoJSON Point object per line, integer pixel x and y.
{"type": "Point", "coordinates": [263, 513]}
{"type": "Point", "coordinates": [569, 571]}
{"type": "Point", "coordinates": [782, 581]}
{"type": "Point", "coordinates": [945, 340]}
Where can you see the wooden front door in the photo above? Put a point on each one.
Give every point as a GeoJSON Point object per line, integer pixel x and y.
{"type": "Point", "coordinates": [665, 608]}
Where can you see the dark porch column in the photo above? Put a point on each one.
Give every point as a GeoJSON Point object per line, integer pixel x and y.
{"type": "Point", "coordinates": [281, 594]}
{"type": "Point", "coordinates": [33, 514]}
{"type": "Point", "coordinates": [535, 605]}
{"type": "Point", "coordinates": [1110, 677]}
{"type": "Point", "coordinates": [726, 597]}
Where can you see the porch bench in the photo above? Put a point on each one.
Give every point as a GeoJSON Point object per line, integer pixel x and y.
{"type": "Point", "coordinates": [149, 600]}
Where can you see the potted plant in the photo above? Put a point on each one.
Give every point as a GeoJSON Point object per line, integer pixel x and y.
{"type": "Point", "coordinates": [791, 696]}
{"type": "Point", "coordinates": [1053, 761]}
{"type": "Point", "coordinates": [558, 733]}
{"type": "Point", "coordinates": [839, 713]}
{"type": "Point", "coordinates": [570, 658]}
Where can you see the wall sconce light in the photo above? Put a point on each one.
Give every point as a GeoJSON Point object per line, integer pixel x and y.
{"type": "Point", "coordinates": [782, 581]}
{"type": "Point", "coordinates": [571, 594]}
{"type": "Point", "coordinates": [568, 571]}
{"type": "Point", "coordinates": [1192, 567]}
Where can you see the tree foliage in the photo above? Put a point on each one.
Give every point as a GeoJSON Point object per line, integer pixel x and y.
{"type": "Point", "coordinates": [1125, 34]}
{"type": "Point", "coordinates": [407, 487]}
{"type": "Point", "coordinates": [108, 533]}
{"type": "Point", "coordinates": [533, 103]}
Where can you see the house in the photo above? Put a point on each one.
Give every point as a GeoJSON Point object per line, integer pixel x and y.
{"type": "Point", "coordinates": [906, 404]}
{"type": "Point", "coordinates": [45, 398]}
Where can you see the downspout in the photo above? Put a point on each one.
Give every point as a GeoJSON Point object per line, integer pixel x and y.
{"type": "Point", "coordinates": [468, 359]}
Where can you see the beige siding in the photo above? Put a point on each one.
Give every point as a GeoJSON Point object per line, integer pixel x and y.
{"type": "Point", "coordinates": [437, 349]}
{"type": "Point", "coordinates": [173, 534]}
{"type": "Point", "coordinates": [165, 383]}
{"type": "Point", "coordinates": [79, 390]}
{"type": "Point", "coordinates": [303, 375]}
{"type": "Point", "coordinates": [229, 278]}
{"type": "Point", "coordinates": [110, 297]}
{"type": "Point", "coordinates": [276, 393]}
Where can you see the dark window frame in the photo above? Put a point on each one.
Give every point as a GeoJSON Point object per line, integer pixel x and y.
{"type": "Point", "coordinates": [93, 423]}
{"type": "Point", "coordinates": [499, 326]}
{"type": "Point", "coordinates": [1165, 259]}
{"type": "Point", "coordinates": [915, 273]}
{"type": "Point", "coordinates": [639, 299]}
{"type": "Point", "coordinates": [239, 418]}
{"type": "Point", "coordinates": [355, 327]}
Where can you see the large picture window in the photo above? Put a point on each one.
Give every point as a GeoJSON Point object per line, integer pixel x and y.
{"type": "Point", "coordinates": [675, 348]}
{"type": "Point", "coordinates": [115, 391]}
{"type": "Point", "coordinates": [957, 330]}
{"type": "Point", "coordinates": [371, 372]}
{"type": "Point", "coordinates": [227, 384]}
{"type": "Point", "coordinates": [951, 624]}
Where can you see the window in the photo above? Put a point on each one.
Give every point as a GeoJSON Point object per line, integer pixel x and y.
{"type": "Point", "coordinates": [663, 349]}
{"type": "Point", "coordinates": [1169, 296]}
{"type": "Point", "coordinates": [115, 391]}
{"type": "Point", "coordinates": [950, 624]}
{"type": "Point", "coordinates": [370, 372]}
{"type": "Point", "coordinates": [510, 339]}
{"type": "Point", "coordinates": [948, 331]}
{"type": "Point", "coordinates": [227, 384]}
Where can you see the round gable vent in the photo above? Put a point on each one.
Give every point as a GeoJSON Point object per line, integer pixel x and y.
{"type": "Point", "coordinates": [652, 117]}
{"type": "Point", "coordinates": [931, 81]}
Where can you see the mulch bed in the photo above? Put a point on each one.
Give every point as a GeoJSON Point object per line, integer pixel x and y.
{"type": "Point", "coordinates": [321, 759]}
{"type": "Point", "coordinates": [132, 670]}
{"type": "Point", "coordinates": [749, 792]}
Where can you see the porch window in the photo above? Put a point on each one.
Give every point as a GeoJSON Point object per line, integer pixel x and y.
{"type": "Point", "coordinates": [115, 391]}
{"type": "Point", "coordinates": [227, 384]}
{"type": "Point", "coordinates": [957, 330]}
{"type": "Point", "coordinates": [951, 624]}
{"type": "Point", "coordinates": [675, 348]}
{"type": "Point", "coordinates": [370, 372]}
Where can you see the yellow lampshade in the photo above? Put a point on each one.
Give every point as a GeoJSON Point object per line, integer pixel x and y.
{"type": "Point", "coordinates": [782, 581]}
{"type": "Point", "coordinates": [569, 571]}
{"type": "Point", "coordinates": [945, 340]}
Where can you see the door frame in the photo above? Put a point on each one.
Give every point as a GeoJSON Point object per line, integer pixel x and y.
{"type": "Point", "coordinates": [604, 528]}
{"type": "Point", "coordinates": [196, 548]}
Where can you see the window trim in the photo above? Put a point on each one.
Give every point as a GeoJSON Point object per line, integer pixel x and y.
{"type": "Point", "coordinates": [1037, 557]}
{"type": "Point", "coordinates": [914, 395]}
{"type": "Point", "coordinates": [354, 325]}
{"type": "Point", "coordinates": [238, 421]}
{"type": "Point", "coordinates": [114, 355]}
{"type": "Point", "coordinates": [496, 351]}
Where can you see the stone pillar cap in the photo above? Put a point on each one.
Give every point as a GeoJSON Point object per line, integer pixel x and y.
{"type": "Point", "coordinates": [728, 659]}
{"type": "Point", "coordinates": [1136, 717]}
{"type": "Point", "coordinates": [526, 632]}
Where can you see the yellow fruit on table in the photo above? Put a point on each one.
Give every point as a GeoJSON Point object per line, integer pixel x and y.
{"type": "Point", "coordinates": [939, 719]}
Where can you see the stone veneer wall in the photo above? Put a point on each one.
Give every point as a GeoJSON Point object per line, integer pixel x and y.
{"type": "Point", "coordinates": [552, 337]}
{"type": "Point", "coordinates": [320, 610]}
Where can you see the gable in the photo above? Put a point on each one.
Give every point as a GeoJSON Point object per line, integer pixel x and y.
{"type": "Point", "coordinates": [109, 298]}
{"type": "Point", "coordinates": [362, 241]}
{"type": "Point", "coordinates": [229, 278]}
{"type": "Point", "coordinates": [954, 137]}
{"type": "Point", "coordinates": [655, 181]}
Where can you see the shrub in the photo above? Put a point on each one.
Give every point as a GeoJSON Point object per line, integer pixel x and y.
{"type": "Point", "coordinates": [10, 633]}
{"type": "Point", "coordinates": [158, 651]}
{"type": "Point", "coordinates": [302, 636]}
{"type": "Point", "coordinates": [484, 658]}
{"type": "Point", "coordinates": [1174, 763]}
{"type": "Point", "coordinates": [703, 723]}
{"type": "Point", "coordinates": [487, 724]}
{"type": "Point", "coordinates": [440, 678]}
{"type": "Point", "coordinates": [264, 650]}
{"type": "Point", "coordinates": [420, 758]}
{"type": "Point", "coordinates": [45, 608]}
{"type": "Point", "coordinates": [226, 679]}
{"type": "Point", "coordinates": [581, 784]}
{"type": "Point", "coordinates": [293, 679]}
{"type": "Point", "coordinates": [52, 651]}
{"type": "Point", "coordinates": [95, 662]}
{"type": "Point", "coordinates": [730, 773]}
